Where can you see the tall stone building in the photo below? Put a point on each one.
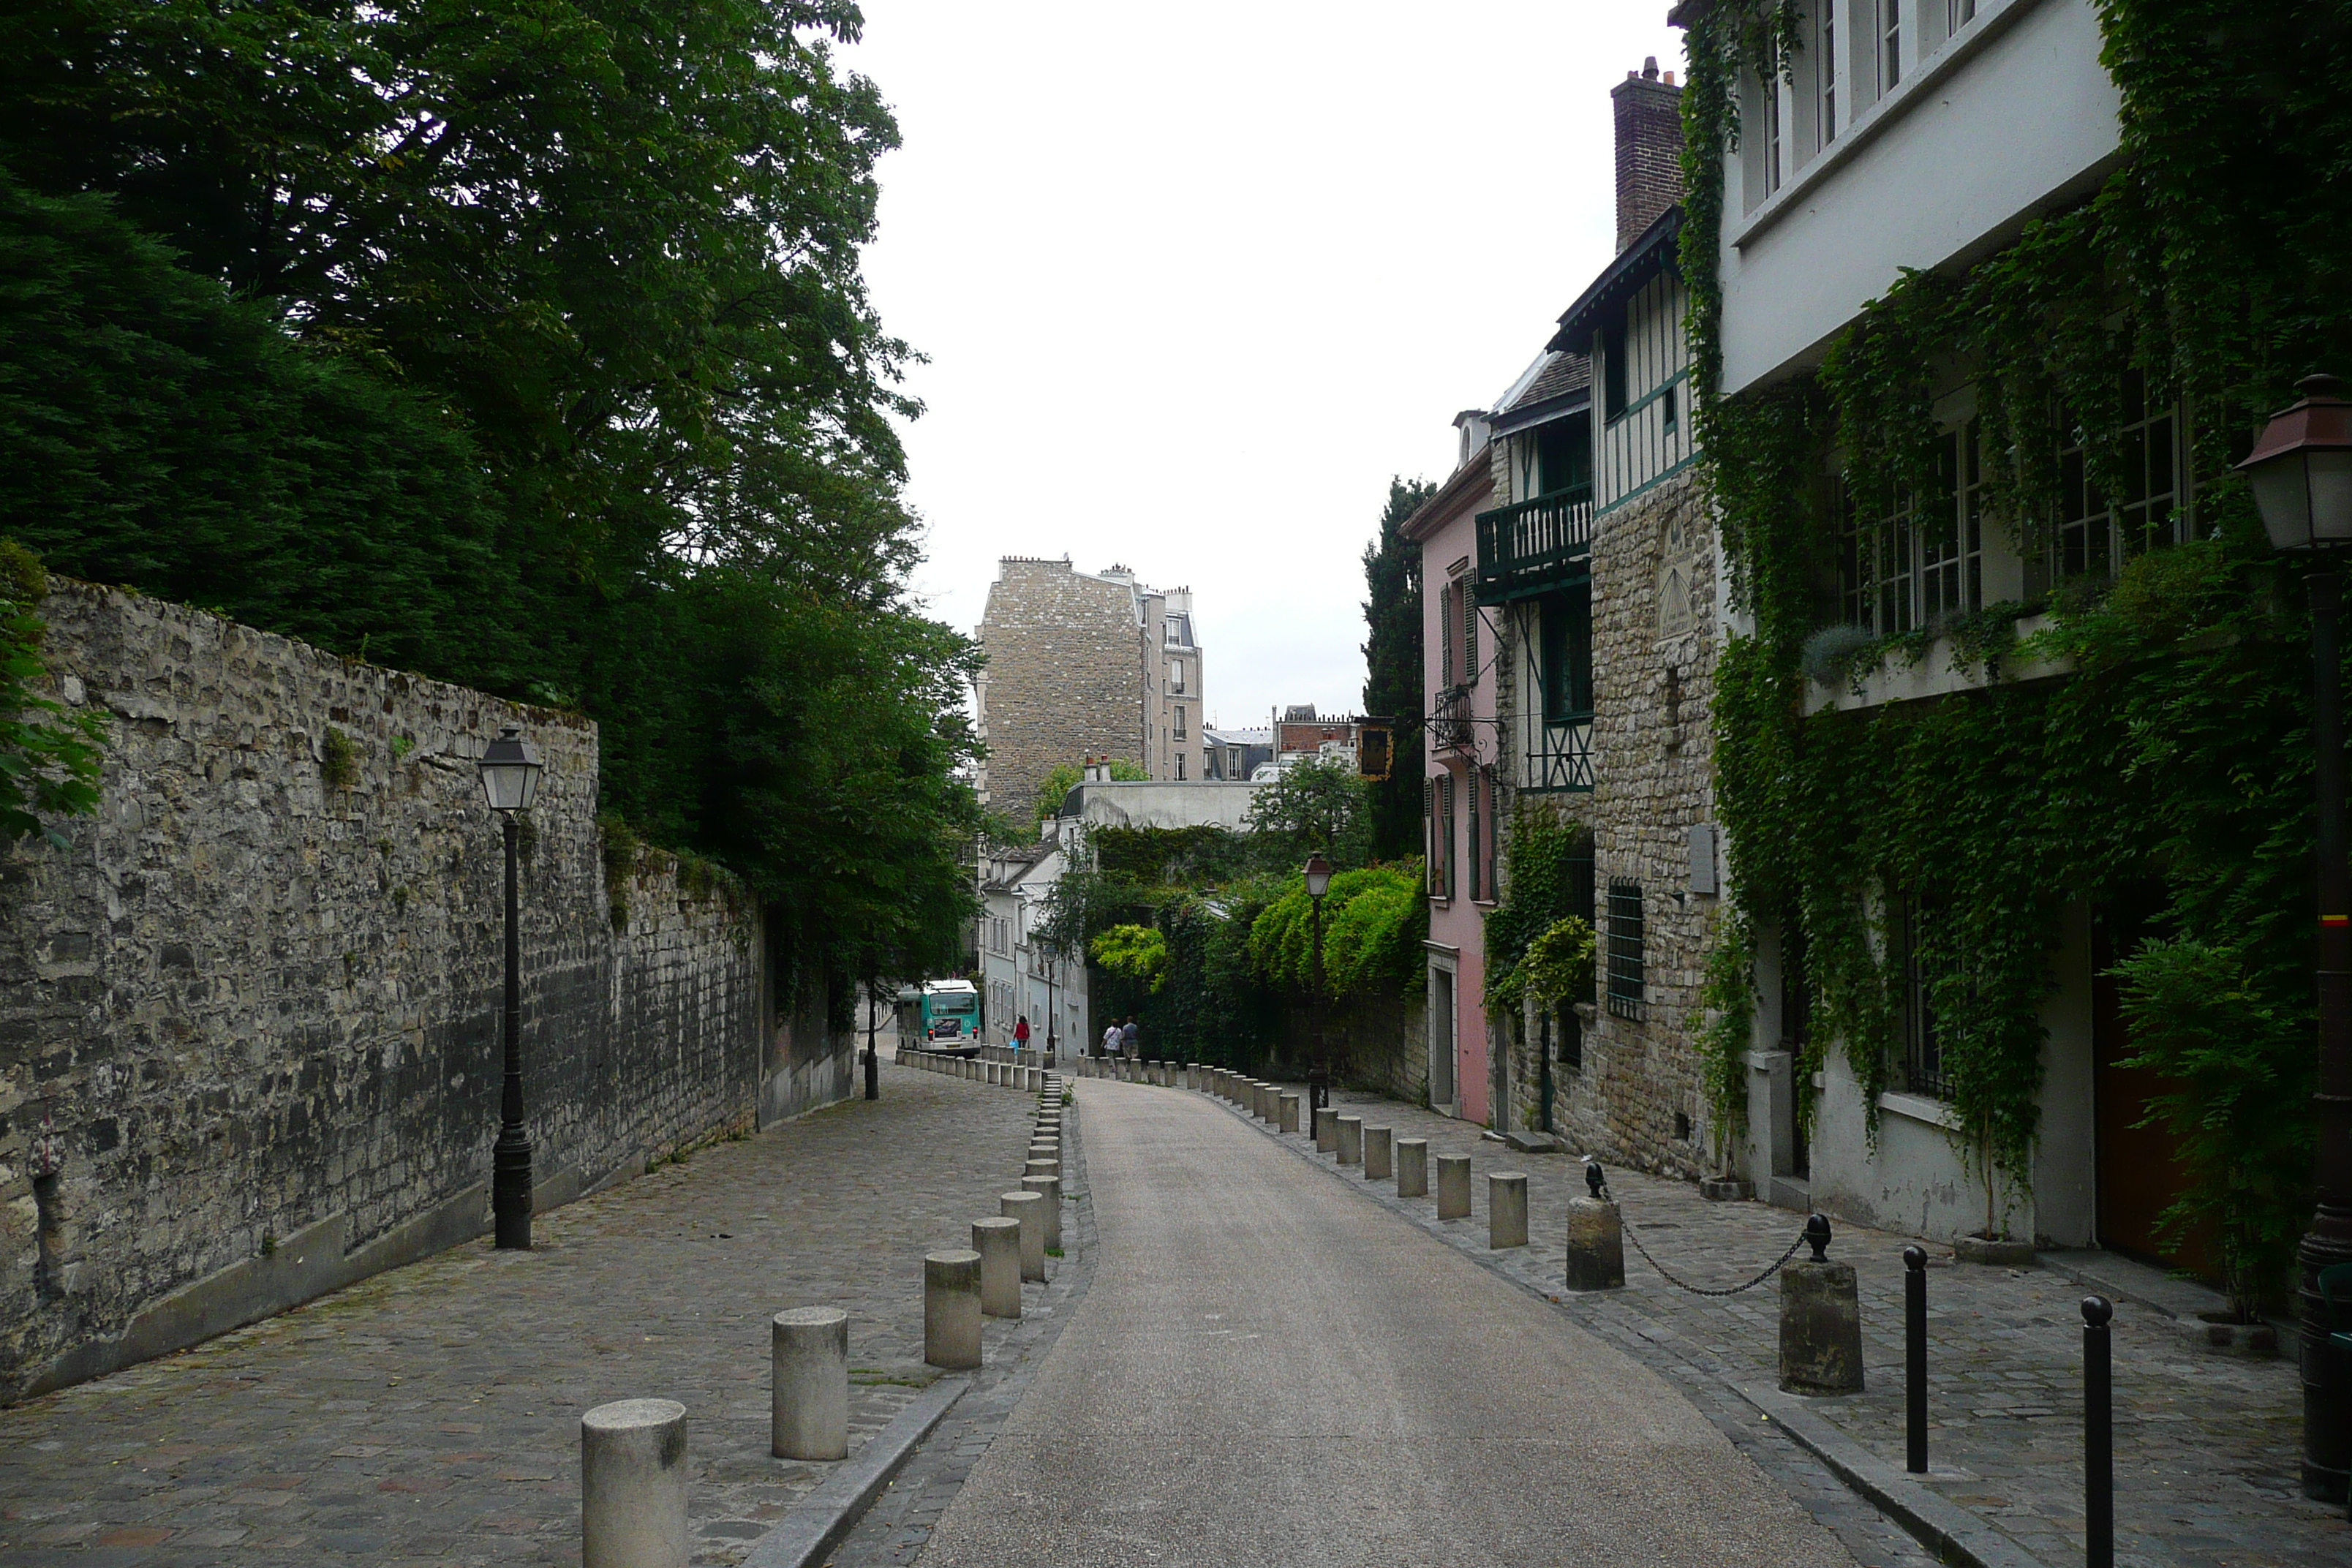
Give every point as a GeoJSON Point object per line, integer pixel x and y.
{"type": "Point", "coordinates": [1084, 664]}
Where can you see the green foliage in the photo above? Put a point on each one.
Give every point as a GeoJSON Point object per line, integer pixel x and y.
{"type": "Point", "coordinates": [1540, 889]}
{"type": "Point", "coordinates": [1315, 806]}
{"type": "Point", "coordinates": [1374, 921]}
{"type": "Point", "coordinates": [2204, 1017]}
{"type": "Point", "coordinates": [50, 759]}
{"type": "Point", "coordinates": [1063, 777]}
{"type": "Point", "coordinates": [522, 345]}
{"type": "Point", "coordinates": [1133, 953]}
{"type": "Point", "coordinates": [1393, 668]}
{"type": "Point", "coordinates": [2180, 749]}
{"type": "Point", "coordinates": [339, 760]}
{"type": "Point", "coordinates": [1557, 965]}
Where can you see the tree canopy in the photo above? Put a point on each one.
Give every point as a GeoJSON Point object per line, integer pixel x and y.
{"type": "Point", "coordinates": [1392, 666]}
{"type": "Point", "coordinates": [521, 343]}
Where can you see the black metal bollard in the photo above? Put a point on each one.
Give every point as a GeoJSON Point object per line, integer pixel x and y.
{"type": "Point", "coordinates": [1915, 1360]}
{"type": "Point", "coordinates": [2099, 1435]}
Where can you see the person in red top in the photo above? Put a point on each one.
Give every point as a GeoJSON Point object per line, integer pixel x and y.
{"type": "Point", "coordinates": [1020, 1035]}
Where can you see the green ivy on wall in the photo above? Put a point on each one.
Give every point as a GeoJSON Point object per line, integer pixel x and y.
{"type": "Point", "coordinates": [2173, 763]}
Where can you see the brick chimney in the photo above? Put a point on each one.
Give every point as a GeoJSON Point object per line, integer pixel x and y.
{"type": "Point", "coordinates": [1649, 149]}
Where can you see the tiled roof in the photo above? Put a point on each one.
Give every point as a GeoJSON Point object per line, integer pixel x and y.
{"type": "Point", "coordinates": [1564, 372]}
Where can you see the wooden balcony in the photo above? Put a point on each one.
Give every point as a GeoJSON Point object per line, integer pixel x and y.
{"type": "Point", "coordinates": [1537, 545]}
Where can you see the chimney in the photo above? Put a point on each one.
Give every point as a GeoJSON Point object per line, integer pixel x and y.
{"type": "Point", "coordinates": [1649, 149]}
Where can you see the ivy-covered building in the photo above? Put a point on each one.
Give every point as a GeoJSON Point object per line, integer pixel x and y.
{"type": "Point", "coordinates": [2013, 728]}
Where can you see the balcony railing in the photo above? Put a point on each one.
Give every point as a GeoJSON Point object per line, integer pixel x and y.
{"type": "Point", "coordinates": [1528, 547]}
{"type": "Point", "coordinates": [1450, 728]}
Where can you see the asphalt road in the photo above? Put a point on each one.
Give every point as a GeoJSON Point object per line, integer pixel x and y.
{"type": "Point", "coordinates": [1268, 1369]}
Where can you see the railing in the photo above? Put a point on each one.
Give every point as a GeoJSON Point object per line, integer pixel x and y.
{"type": "Point", "coordinates": [1525, 546]}
{"type": "Point", "coordinates": [1450, 728]}
{"type": "Point", "coordinates": [1555, 758]}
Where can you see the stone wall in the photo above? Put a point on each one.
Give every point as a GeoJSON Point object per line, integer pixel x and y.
{"type": "Point", "coordinates": [248, 1021]}
{"type": "Point", "coordinates": [1637, 1097]}
{"type": "Point", "coordinates": [1064, 677]}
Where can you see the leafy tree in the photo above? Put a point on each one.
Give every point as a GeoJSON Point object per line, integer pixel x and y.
{"type": "Point", "coordinates": [1316, 806]}
{"type": "Point", "coordinates": [1393, 668]}
{"type": "Point", "coordinates": [49, 758]}
{"type": "Point", "coordinates": [1135, 952]}
{"type": "Point", "coordinates": [1373, 922]}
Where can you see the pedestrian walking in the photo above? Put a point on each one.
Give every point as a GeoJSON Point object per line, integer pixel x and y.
{"type": "Point", "coordinates": [1110, 1041]}
{"type": "Point", "coordinates": [1131, 1039]}
{"type": "Point", "coordinates": [1020, 1036]}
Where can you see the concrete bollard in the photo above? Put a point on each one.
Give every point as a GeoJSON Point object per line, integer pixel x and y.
{"type": "Point", "coordinates": [1453, 1186]}
{"type": "Point", "coordinates": [998, 1242]}
{"type": "Point", "coordinates": [1507, 1209]}
{"type": "Point", "coordinates": [1050, 1189]}
{"type": "Point", "coordinates": [1351, 1140]}
{"type": "Point", "coordinates": [633, 1485]}
{"type": "Point", "coordinates": [1327, 1130]}
{"type": "Point", "coordinates": [1029, 1210]}
{"type": "Point", "coordinates": [1042, 1168]}
{"type": "Point", "coordinates": [1820, 1322]}
{"type": "Point", "coordinates": [1377, 1164]}
{"type": "Point", "coordinates": [808, 1384]}
{"type": "Point", "coordinates": [1413, 1167]}
{"type": "Point", "coordinates": [1290, 1114]}
{"type": "Point", "coordinates": [1596, 1244]}
{"type": "Point", "coordinates": [951, 1309]}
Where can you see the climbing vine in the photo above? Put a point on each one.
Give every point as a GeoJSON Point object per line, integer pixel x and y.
{"type": "Point", "coordinates": [2170, 772]}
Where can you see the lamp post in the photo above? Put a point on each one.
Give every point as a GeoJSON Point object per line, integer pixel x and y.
{"type": "Point", "coordinates": [1319, 882]}
{"type": "Point", "coordinates": [2301, 471]}
{"type": "Point", "coordinates": [510, 768]}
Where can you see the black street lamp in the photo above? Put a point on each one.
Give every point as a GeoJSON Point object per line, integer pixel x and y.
{"type": "Point", "coordinates": [2301, 471]}
{"type": "Point", "coordinates": [510, 768]}
{"type": "Point", "coordinates": [1319, 882]}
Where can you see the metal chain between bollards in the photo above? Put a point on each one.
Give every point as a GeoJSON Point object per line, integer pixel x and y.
{"type": "Point", "coordinates": [1600, 1189]}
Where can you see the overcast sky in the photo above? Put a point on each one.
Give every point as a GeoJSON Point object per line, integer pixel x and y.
{"type": "Point", "coordinates": [1194, 281]}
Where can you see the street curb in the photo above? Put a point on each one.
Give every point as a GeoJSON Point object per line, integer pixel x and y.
{"type": "Point", "coordinates": [1953, 1533]}
{"type": "Point", "coordinates": [818, 1522]}
{"type": "Point", "coordinates": [1943, 1527]}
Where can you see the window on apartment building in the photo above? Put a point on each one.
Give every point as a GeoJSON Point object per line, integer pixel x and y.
{"type": "Point", "coordinates": [1475, 783]}
{"type": "Point", "coordinates": [2096, 534]}
{"type": "Point", "coordinates": [1564, 454]}
{"type": "Point", "coordinates": [1771, 141]}
{"type": "Point", "coordinates": [1923, 1045]}
{"type": "Point", "coordinates": [1668, 402]}
{"type": "Point", "coordinates": [1825, 64]}
{"type": "Point", "coordinates": [1613, 369]}
{"type": "Point", "coordinates": [1922, 562]}
{"type": "Point", "coordinates": [1446, 634]}
{"type": "Point", "coordinates": [1890, 44]}
{"type": "Point", "coordinates": [1958, 14]}
{"type": "Point", "coordinates": [1180, 721]}
{"type": "Point", "coordinates": [1180, 760]}
{"type": "Point", "coordinates": [1445, 833]}
{"type": "Point", "coordinates": [1564, 647]}
{"type": "Point", "coordinates": [1176, 674]}
{"type": "Point", "coordinates": [1628, 978]}
{"type": "Point", "coordinates": [1429, 856]}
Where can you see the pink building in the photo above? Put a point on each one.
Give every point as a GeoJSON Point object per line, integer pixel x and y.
{"type": "Point", "coordinates": [1458, 698]}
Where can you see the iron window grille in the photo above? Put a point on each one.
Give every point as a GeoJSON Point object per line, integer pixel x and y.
{"type": "Point", "coordinates": [1628, 979]}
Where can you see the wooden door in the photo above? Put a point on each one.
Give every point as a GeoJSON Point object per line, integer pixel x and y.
{"type": "Point", "coordinates": [2138, 1167]}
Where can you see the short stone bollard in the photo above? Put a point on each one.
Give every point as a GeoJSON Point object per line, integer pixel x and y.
{"type": "Point", "coordinates": [998, 1242]}
{"type": "Point", "coordinates": [1820, 1320]}
{"type": "Point", "coordinates": [1290, 1114]}
{"type": "Point", "coordinates": [1507, 1209]}
{"type": "Point", "coordinates": [1042, 1168]}
{"type": "Point", "coordinates": [1327, 1130]}
{"type": "Point", "coordinates": [1453, 1186]}
{"type": "Point", "coordinates": [1377, 1162]}
{"type": "Point", "coordinates": [808, 1384]}
{"type": "Point", "coordinates": [1050, 1189]}
{"type": "Point", "coordinates": [1413, 1167]}
{"type": "Point", "coordinates": [1351, 1140]}
{"type": "Point", "coordinates": [951, 1309]}
{"type": "Point", "coordinates": [1596, 1238]}
{"type": "Point", "coordinates": [633, 1485]}
{"type": "Point", "coordinates": [1029, 1210]}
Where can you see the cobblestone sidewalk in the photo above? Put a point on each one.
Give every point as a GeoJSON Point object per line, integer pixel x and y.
{"type": "Point", "coordinates": [2207, 1446]}
{"type": "Point", "coordinates": [431, 1415]}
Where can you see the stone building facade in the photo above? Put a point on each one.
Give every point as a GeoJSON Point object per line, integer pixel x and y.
{"type": "Point", "coordinates": [1083, 665]}
{"type": "Point", "coordinates": [250, 1045]}
{"type": "Point", "coordinates": [1598, 570]}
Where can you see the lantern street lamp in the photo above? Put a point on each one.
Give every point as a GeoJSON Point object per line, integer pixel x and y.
{"type": "Point", "coordinates": [1319, 882]}
{"type": "Point", "coordinates": [510, 770]}
{"type": "Point", "coordinates": [2301, 471]}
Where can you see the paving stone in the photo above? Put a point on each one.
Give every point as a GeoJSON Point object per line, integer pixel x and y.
{"type": "Point", "coordinates": [432, 1413]}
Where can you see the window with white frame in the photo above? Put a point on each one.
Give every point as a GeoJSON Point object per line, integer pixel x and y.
{"type": "Point", "coordinates": [1176, 674]}
{"type": "Point", "coordinates": [1772, 165]}
{"type": "Point", "coordinates": [1825, 67]}
{"type": "Point", "coordinates": [2095, 535]}
{"type": "Point", "coordinates": [1921, 563]}
{"type": "Point", "coordinates": [1890, 44]}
